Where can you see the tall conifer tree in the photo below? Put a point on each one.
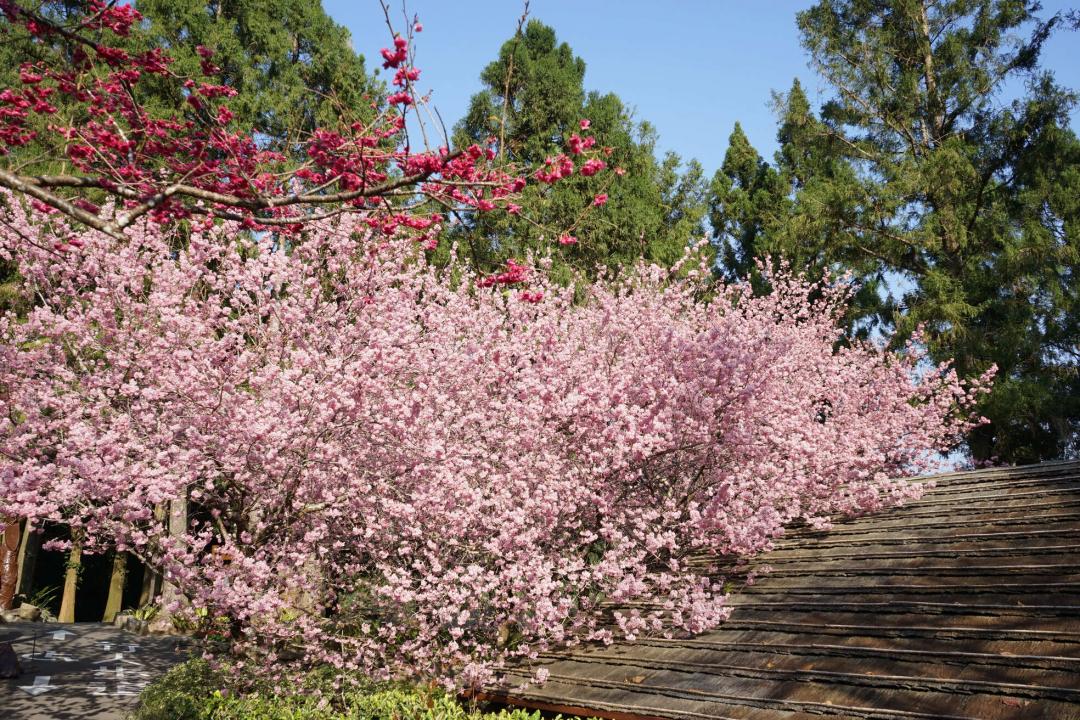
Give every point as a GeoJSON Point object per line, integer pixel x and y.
{"type": "Point", "coordinates": [958, 209]}
{"type": "Point", "coordinates": [533, 100]}
{"type": "Point", "coordinates": [747, 203]}
{"type": "Point", "coordinates": [294, 68]}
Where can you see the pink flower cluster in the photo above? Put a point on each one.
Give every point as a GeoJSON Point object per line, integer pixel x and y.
{"type": "Point", "coordinates": [593, 166]}
{"type": "Point", "coordinates": [393, 468]}
{"type": "Point", "coordinates": [555, 169]}
{"type": "Point", "coordinates": [514, 274]}
{"type": "Point", "coordinates": [400, 53]}
{"type": "Point", "coordinates": [578, 144]}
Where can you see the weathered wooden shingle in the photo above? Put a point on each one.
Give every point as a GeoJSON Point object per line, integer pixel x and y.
{"type": "Point", "coordinates": [965, 604]}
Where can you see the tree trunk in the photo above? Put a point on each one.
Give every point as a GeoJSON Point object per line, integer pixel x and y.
{"type": "Point", "coordinates": [177, 526]}
{"type": "Point", "coordinates": [170, 594]}
{"type": "Point", "coordinates": [9, 562]}
{"type": "Point", "coordinates": [116, 586]}
{"type": "Point", "coordinates": [71, 581]}
{"type": "Point", "coordinates": [28, 555]}
{"type": "Point", "coordinates": [151, 579]}
{"type": "Point", "coordinates": [151, 586]}
{"type": "Point", "coordinates": [936, 120]}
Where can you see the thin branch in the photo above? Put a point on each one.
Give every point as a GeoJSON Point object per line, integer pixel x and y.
{"type": "Point", "coordinates": [506, 85]}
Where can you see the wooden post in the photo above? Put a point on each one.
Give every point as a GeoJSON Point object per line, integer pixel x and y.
{"type": "Point", "coordinates": [71, 581]}
{"type": "Point", "coordinates": [116, 586]}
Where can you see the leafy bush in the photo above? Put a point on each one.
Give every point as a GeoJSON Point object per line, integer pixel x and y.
{"type": "Point", "coordinates": [394, 704]}
{"type": "Point", "coordinates": [196, 691]}
{"type": "Point", "coordinates": [184, 693]}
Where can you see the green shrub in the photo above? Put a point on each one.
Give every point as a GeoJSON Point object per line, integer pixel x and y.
{"type": "Point", "coordinates": [380, 705]}
{"type": "Point", "coordinates": [195, 691]}
{"type": "Point", "coordinates": [184, 693]}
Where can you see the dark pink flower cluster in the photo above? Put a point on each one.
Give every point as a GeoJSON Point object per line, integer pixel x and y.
{"type": "Point", "coordinates": [555, 169]}
{"type": "Point", "coordinates": [196, 163]}
{"type": "Point", "coordinates": [111, 16]}
{"type": "Point", "coordinates": [406, 75]}
{"type": "Point", "coordinates": [514, 274]}
{"type": "Point", "coordinates": [400, 53]}
{"type": "Point", "coordinates": [593, 166]}
{"type": "Point", "coordinates": [578, 144]}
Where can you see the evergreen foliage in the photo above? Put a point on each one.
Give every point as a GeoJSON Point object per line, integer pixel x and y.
{"type": "Point", "coordinates": [294, 68]}
{"type": "Point", "coordinates": [533, 100]}
{"type": "Point", "coordinates": [956, 211]}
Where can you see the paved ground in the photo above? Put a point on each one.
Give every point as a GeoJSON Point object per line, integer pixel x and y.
{"type": "Point", "coordinates": [81, 671]}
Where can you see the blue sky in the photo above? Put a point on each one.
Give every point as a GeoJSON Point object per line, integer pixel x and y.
{"type": "Point", "coordinates": [690, 67]}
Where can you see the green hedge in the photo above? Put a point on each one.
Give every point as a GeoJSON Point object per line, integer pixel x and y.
{"type": "Point", "coordinates": [193, 691]}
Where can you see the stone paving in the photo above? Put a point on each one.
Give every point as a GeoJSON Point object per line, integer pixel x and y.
{"type": "Point", "coordinates": [81, 671]}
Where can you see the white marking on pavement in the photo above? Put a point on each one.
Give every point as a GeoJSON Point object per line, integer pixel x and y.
{"type": "Point", "coordinates": [41, 685]}
{"type": "Point", "coordinates": [123, 688]}
{"type": "Point", "coordinates": [60, 634]}
{"type": "Point", "coordinates": [120, 672]}
{"type": "Point", "coordinates": [118, 658]}
{"type": "Point", "coordinates": [130, 687]}
{"type": "Point", "coordinates": [49, 656]}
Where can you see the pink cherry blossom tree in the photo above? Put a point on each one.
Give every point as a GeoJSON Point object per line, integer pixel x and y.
{"type": "Point", "coordinates": [338, 453]}
{"type": "Point", "coordinates": [417, 472]}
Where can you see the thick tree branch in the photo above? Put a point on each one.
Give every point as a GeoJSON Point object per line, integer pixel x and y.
{"type": "Point", "coordinates": [35, 186]}
{"type": "Point", "coordinates": [21, 185]}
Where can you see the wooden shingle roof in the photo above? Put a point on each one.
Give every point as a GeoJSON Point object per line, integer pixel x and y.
{"type": "Point", "coordinates": [964, 604]}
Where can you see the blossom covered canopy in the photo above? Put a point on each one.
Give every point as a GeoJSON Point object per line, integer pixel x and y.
{"type": "Point", "coordinates": [423, 472]}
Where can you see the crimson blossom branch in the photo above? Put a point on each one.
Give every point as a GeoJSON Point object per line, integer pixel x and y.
{"type": "Point", "coordinates": [121, 162]}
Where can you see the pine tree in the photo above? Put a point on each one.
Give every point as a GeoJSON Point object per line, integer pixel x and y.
{"type": "Point", "coordinates": [533, 99]}
{"type": "Point", "coordinates": [294, 67]}
{"type": "Point", "coordinates": [959, 211]}
{"type": "Point", "coordinates": [747, 206]}
{"type": "Point", "coordinates": [793, 210]}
